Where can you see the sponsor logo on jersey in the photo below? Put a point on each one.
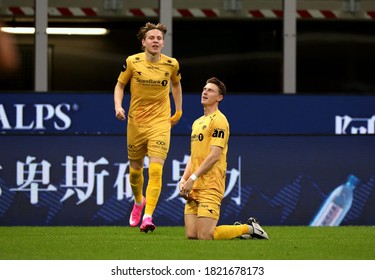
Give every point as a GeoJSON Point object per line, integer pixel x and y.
{"type": "Point", "coordinates": [218, 133]}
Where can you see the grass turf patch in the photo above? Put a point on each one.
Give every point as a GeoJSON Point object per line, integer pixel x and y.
{"type": "Point", "coordinates": [169, 243]}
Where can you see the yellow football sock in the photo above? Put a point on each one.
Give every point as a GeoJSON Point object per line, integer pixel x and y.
{"type": "Point", "coordinates": [153, 190]}
{"type": "Point", "coordinates": [230, 231]}
{"type": "Point", "coordinates": [136, 182]}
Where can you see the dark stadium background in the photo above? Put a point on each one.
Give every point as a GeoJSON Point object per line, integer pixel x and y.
{"type": "Point", "coordinates": [333, 55]}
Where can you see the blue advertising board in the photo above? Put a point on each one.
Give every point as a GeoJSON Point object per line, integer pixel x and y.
{"type": "Point", "coordinates": [85, 113]}
{"type": "Point", "coordinates": [79, 175]}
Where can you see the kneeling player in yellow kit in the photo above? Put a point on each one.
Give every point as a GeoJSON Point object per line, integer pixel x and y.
{"type": "Point", "coordinates": [203, 181]}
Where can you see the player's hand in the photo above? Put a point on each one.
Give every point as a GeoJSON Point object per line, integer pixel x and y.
{"type": "Point", "coordinates": [120, 113]}
{"type": "Point", "coordinates": [175, 118]}
{"type": "Point", "coordinates": [185, 188]}
{"type": "Point", "coordinates": [181, 188]}
{"type": "Point", "coordinates": [181, 185]}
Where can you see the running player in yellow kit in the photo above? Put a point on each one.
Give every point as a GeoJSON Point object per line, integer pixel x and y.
{"type": "Point", "coordinates": [203, 181]}
{"type": "Point", "coordinates": [151, 75]}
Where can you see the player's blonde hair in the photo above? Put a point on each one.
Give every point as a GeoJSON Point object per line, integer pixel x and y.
{"type": "Point", "coordinates": [150, 26]}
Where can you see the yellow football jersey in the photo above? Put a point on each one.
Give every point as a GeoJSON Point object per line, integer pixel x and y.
{"type": "Point", "coordinates": [210, 130]}
{"type": "Point", "coordinates": [149, 88]}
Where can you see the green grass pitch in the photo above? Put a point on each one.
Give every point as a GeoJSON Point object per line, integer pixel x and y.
{"type": "Point", "coordinates": [169, 243]}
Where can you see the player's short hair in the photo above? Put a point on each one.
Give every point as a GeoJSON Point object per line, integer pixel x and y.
{"type": "Point", "coordinates": [149, 26]}
{"type": "Point", "coordinates": [219, 84]}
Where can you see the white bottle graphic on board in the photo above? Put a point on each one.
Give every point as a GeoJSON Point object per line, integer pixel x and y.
{"type": "Point", "coordinates": [337, 204]}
